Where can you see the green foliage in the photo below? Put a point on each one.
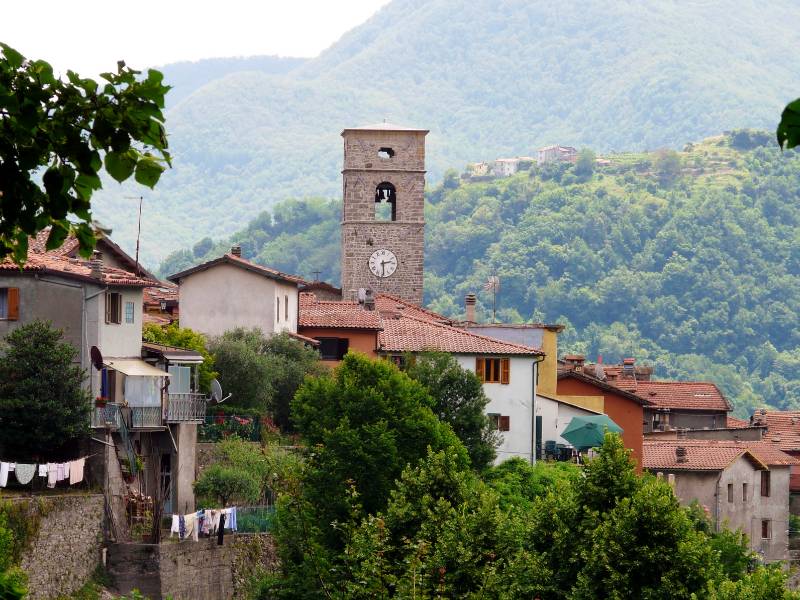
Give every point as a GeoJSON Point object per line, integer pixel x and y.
{"type": "Point", "coordinates": [13, 584]}
{"type": "Point", "coordinates": [764, 583]}
{"type": "Point", "coordinates": [700, 279]}
{"type": "Point", "coordinates": [43, 404]}
{"type": "Point", "coordinates": [667, 166]}
{"type": "Point", "coordinates": [183, 337]}
{"type": "Point", "coordinates": [65, 132]}
{"type": "Point", "coordinates": [518, 483]}
{"type": "Point", "coordinates": [459, 401]}
{"type": "Point", "coordinates": [219, 485]}
{"type": "Point", "coordinates": [584, 166]}
{"type": "Point", "coordinates": [263, 372]}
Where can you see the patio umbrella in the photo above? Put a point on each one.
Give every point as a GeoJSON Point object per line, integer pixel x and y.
{"type": "Point", "coordinates": [588, 431]}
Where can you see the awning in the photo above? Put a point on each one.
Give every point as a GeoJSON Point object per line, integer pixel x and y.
{"type": "Point", "coordinates": [134, 367]}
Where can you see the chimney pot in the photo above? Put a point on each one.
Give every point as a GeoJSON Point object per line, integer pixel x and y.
{"type": "Point", "coordinates": [236, 250]}
{"type": "Point", "coordinates": [469, 305]}
{"type": "Point", "coordinates": [680, 454]}
{"type": "Point", "coordinates": [96, 265]}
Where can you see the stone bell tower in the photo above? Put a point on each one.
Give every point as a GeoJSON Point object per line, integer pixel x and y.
{"type": "Point", "coordinates": [383, 221]}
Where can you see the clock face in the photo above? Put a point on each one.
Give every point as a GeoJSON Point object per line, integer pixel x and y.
{"type": "Point", "coordinates": [382, 263]}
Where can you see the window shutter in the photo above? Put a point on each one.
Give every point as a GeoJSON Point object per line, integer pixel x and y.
{"type": "Point", "coordinates": [505, 423]}
{"type": "Point", "coordinates": [13, 304]}
{"type": "Point", "coordinates": [344, 344]}
{"type": "Point", "coordinates": [505, 372]}
{"type": "Point", "coordinates": [108, 307]}
{"type": "Point", "coordinates": [479, 369]}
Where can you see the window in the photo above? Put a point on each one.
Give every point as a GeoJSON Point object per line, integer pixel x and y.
{"type": "Point", "coordinates": [766, 529]}
{"type": "Point", "coordinates": [385, 202]}
{"type": "Point", "coordinates": [730, 492]}
{"type": "Point", "coordinates": [385, 153]}
{"type": "Point", "coordinates": [180, 380]}
{"type": "Point", "coordinates": [499, 422]}
{"type": "Point", "coordinates": [129, 312]}
{"type": "Point", "coordinates": [493, 370]}
{"type": "Point", "coordinates": [765, 483]}
{"type": "Point", "coordinates": [744, 492]}
{"type": "Point", "coordinates": [286, 308]}
{"type": "Point", "coordinates": [9, 304]}
{"type": "Point", "coordinates": [113, 307]}
{"type": "Point", "coordinates": [331, 348]}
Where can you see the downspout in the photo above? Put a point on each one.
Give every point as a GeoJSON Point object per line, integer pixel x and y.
{"type": "Point", "coordinates": [717, 503]}
{"type": "Point", "coordinates": [535, 369]}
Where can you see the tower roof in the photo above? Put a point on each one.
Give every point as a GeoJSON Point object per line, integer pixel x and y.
{"type": "Point", "coordinates": [384, 126]}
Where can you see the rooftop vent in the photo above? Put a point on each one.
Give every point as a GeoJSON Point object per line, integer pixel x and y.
{"type": "Point", "coordinates": [680, 454]}
{"type": "Point", "coordinates": [236, 250]}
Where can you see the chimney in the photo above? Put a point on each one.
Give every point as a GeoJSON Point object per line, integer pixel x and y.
{"type": "Point", "coordinates": [469, 306]}
{"type": "Point", "coordinates": [629, 368]}
{"type": "Point", "coordinates": [574, 361]}
{"type": "Point", "coordinates": [236, 250]}
{"type": "Point", "coordinates": [369, 299]}
{"type": "Point", "coordinates": [96, 265]}
{"type": "Point", "coordinates": [680, 454]}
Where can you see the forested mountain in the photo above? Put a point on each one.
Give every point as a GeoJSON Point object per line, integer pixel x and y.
{"type": "Point", "coordinates": [688, 260]}
{"type": "Point", "coordinates": [488, 78]}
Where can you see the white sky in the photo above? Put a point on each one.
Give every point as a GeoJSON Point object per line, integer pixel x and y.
{"type": "Point", "coordinates": [89, 36]}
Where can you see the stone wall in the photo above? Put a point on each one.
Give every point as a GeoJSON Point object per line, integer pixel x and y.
{"type": "Point", "coordinates": [67, 546]}
{"type": "Point", "coordinates": [190, 570]}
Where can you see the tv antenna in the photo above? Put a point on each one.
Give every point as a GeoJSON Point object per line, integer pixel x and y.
{"type": "Point", "coordinates": [138, 230]}
{"type": "Point", "coordinates": [493, 284]}
{"type": "Point", "coordinates": [316, 275]}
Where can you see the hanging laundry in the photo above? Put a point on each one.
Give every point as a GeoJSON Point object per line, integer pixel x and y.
{"type": "Point", "coordinates": [181, 526]}
{"type": "Point", "coordinates": [62, 471]}
{"type": "Point", "coordinates": [214, 521]}
{"type": "Point", "coordinates": [3, 474]}
{"type": "Point", "coordinates": [221, 532]}
{"type": "Point", "coordinates": [232, 518]}
{"type": "Point", "coordinates": [24, 473]}
{"type": "Point", "coordinates": [76, 471]}
{"type": "Point", "coordinates": [52, 474]}
{"type": "Point", "coordinates": [43, 470]}
{"type": "Point", "coordinates": [176, 526]}
{"type": "Point", "coordinates": [205, 520]}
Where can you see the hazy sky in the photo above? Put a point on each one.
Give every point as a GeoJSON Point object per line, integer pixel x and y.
{"type": "Point", "coordinates": [89, 36]}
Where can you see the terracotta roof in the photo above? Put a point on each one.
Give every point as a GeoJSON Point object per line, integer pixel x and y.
{"type": "Point", "coordinates": [783, 429]}
{"type": "Point", "coordinates": [167, 292]}
{"type": "Point", "coordinates": [683, 395]}
{"type": "Point", "coordinates": [404, 332]}
{"type": "Point", "coordinates": [238, 261]}
{"type": "Point", "coordinates": [734, 423]}
{"type": "Point", "coordinates": [150, 319]}
{"type": "Point", "coordinates": [712, 455]}
{"type": "Point", "coordinates": [388, 303]}
{"type": "Point", "coordinates": [73, 268]}
{"type": "Point", "coordinates": [341, 314]}
{"type": "Point", "coordinates": [304, 339]}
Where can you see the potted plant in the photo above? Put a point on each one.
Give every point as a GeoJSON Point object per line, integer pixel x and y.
{"type": "Point", "coordinates": [100, 401]}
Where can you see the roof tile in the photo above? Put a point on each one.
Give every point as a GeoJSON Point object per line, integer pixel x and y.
{"type": "Point", "coordinates": [685, 395]}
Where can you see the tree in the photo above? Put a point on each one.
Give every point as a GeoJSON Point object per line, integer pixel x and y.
{"type": "Point", "coordinates": [263, 372]}
{"type": "Point", "coordinates": [667, 166]}
{"type": "Point", "coordinates": [788, 132]}
{"type": "Point", "coordinates": [764, 583]}
{"type": "Point", "coordinates": [518, 483]}
{"type": "Point", "coordinates": [43, 404]}
{"type": "Point", "coordinates": [459, 401]}
{"type": "Point", "coordinates": [225, 484]}
{"type": "Point", "coordinates": [67, 132]}
{"type": "Point", "coordinates": [584, 166]}
{"type": "Point", "coordinates": [183, 337]}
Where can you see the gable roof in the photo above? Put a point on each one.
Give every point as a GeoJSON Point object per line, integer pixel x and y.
{"type": "Point", "coordinates": [572, 404]}
{"type": "Point", "coordinates": [602, 385]}
{"type": "Point", "coordinates": [406, 332]}
{"type": "Point", "coordinates": [238, 261]}
{"type": "Point", "coordinates": [340, 314]}
{"type": "Point", "coordinates": [388, 303]}
{"type": "Point", "coordinates": [73, 268]}
{"type": "Point", "coordinates": [712, 455]}
{"type": "Point", "coordinates": [681, 395]}
{"type": "Point", "coordinates": [734, 423]}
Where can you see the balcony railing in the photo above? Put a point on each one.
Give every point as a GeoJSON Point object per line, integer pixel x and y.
{"type": "Point", "coordinates": [106, 416]}
{"type": "Point", "coordinates": [186, 407]}
{"type": "Point", "coordinates": [145, 416]}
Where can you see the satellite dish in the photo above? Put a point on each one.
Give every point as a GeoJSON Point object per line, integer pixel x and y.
{"type": "Point", "coordinates": [97, 357]}
{"type": "Point", "coordinates": [216, 392]}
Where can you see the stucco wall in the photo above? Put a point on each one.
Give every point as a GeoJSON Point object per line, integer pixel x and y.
{"type": "Point", "coordinates": [225, 297]}
{"type": "Point", "coordinates": [66, 549]}
{"type": "Point", "coordinates": [121, 339]}
{"type": "Point", "coordinates": [743, 514]}
{"type": "Point", "coordinates": [515, 400]}
{"type": "Point", "coordinates": [690, 419]}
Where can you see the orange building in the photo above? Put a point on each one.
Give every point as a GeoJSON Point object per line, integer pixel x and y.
{"type": "Point", "coordinates": [624, 408]}
{"type": "Point", "coordinates": [339, 326]}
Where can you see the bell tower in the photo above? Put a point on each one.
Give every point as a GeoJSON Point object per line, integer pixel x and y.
{"type": "Point", "coordinates": [383, 220]}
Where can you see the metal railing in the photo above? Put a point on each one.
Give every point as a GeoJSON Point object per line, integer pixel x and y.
{"type": "Point", "coordinates": [186, 407]}
{"type": "Point", "coordinates": [106, 416]}
{"type": "Point", "coordinates": [145, 416]}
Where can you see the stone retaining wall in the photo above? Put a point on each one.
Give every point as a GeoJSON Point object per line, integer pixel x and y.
{"type": "Point", "coordinates": [66, 548]}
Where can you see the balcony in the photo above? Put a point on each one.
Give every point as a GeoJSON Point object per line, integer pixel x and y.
{"type": "Point", "coordinates": [106, 416]}
{"type": "Point", "coordinates": [143, 417]}
{"type": "Point", "coordinates": [183, 408]}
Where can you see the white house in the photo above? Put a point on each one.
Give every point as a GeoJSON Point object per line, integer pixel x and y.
{"type": "Point", "coordinates": [552, 417]}
{"type": "Point", "coordinates": [230, 292]}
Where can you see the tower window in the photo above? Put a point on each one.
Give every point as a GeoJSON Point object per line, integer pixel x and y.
{"type": "Point", "coordinates": [385, 202]}
{"type": "Point", "coordinates": [385, 153]}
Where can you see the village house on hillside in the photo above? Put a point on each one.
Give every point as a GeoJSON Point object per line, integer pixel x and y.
{"type": "Point", "coordinates": [556, 153]}
{"type": "Point", "coordinates": [742, 484]}
{"type": "Point", "coordinates": [230, 292]}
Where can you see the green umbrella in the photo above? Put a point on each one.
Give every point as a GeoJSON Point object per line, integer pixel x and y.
{"type": "Point", "coordinates": [588, 431]}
